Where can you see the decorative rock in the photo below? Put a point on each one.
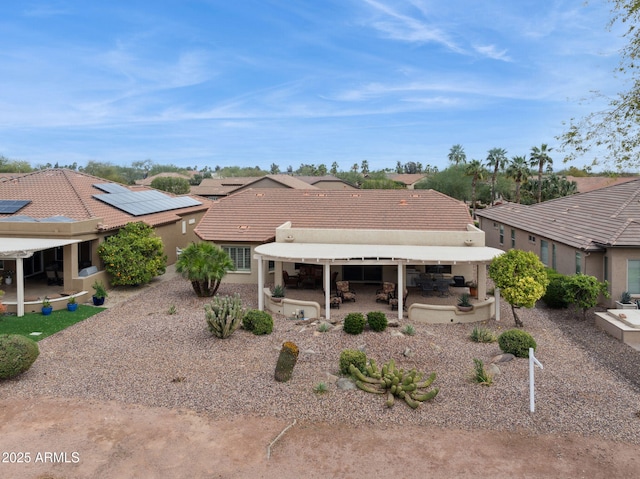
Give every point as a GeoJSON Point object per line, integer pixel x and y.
{"type": "Point", "coordinates": [309, 351]}
{"type": "Point", "coordinates": [332, 378]}
{"type": "Point", "coordinates": [345, 384]}
{"type": "Point", "coordinates": [393, 323]}
{"type": "Point", "coordinates": [493, 370]}
{"type": "Point", "coordinates": [397, 334]}
{"type": "Point", "coordinates": [502, 358]}
{"type": "Point", "coordinates": [408, 353]}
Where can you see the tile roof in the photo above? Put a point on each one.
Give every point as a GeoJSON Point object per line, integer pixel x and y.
{"type": "Point", "coordinates": [227, 186]}
{"type": "Point", "coordinates": [590, 183]}
{"type": "Point", "coordinates": [254, 214]}
{"type": "Point", "coordinates": [607, 216]}
{"type": "Point", "coordinates": [64, 192]}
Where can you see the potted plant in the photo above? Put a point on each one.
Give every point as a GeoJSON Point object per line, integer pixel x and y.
{"type": "Point", "coordinates": [46, 306]}
{"type": "Point", "coordinates": [277, 293]}
{"type": "Point", "coordinates": [71, 303]}
{"type": "Point", "coordinates": [100, 293]}
{"type": "Point", "coordinates": [473, 288]}
{"type": "Point", "coordinates": [463, 302]}
{"type": "Point", "coordinates": [8, 277]}
{"type": "Point", "coordinates": [625, 301]}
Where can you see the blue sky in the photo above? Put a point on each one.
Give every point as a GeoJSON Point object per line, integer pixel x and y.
{"type": "Point", "coordinates": [256, 82]}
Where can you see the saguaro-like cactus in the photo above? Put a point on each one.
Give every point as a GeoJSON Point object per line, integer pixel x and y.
{"type": "Point", "coordinates": [224, 315]}
{"type": "Point", "coordinates": [286, 361]}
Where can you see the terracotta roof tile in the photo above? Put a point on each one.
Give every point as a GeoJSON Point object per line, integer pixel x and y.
{"type": "Point", "coordinates": [254, 214]}
{"type": "Point", "coordinates": [63, 192]}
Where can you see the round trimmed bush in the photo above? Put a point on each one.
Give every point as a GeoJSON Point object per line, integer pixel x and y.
{"type": "Point", "coordinates": [377, 321]}
{"type": "Point", "coordinates": [17, 354]}
{"type": "Point", "coordinates": [354, 323]}
{"type": "Point", "coordinates": [516, 342]}
{"type": "Point", "coordinates": [352, 356]}
{"type": "Point", "coordinates": [258, 322]}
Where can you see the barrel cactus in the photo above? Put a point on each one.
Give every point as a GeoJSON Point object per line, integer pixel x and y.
{"type": "Point", "coordinates": [286, 361]}
{"type": "Point", "coordinates": [17, 354]}
{"type": "Point", "coordinates": [224, 315]}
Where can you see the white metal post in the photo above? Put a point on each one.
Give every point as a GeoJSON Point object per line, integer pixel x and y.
{"type": "Point", "coordinates": [496, 294]}
{"type": "Point", "coordinates": [532, 363]}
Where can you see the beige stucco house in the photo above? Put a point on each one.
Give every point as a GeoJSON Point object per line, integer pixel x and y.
{"type": "Point", "coordinates": [57, 218]}
{"type": "Point", "coordinates": [595, 233]}
{"type": "Point", "coordinates": [367, 236]}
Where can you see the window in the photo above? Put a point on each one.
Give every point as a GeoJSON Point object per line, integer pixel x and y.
{"type": "Point", "coordinates": [578, 262]}
{"type": "Point", "coordinates": [513, 238]}
{"type": "Point", "coordinates": [501, 234]}
{"type": "Point", "coordinates": [544, 252]}
{"type": "Point", "coordinates": [605, 266]}
{"type": "Point", "coordinates": [633, 276]}
{"type": "Point", "coordinates": [553, 257]}
{"type": "Point", "coordinates": [532, 239]}
{"type": "Point", "coordinates": [240, 255]}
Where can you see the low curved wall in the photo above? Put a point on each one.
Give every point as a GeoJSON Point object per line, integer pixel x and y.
{"type": "Point", "coordinates": [440, 314]}
{"type": "Point", "coordinates": [289, 307]}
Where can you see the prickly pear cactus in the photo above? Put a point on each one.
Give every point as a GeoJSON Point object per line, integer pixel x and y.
{"type": "Point", "coordinates": [224, 315]}
{"type": "Point", "coordinates": [395, 383]}
{"type": "Point", "coordinates": [286, 361]}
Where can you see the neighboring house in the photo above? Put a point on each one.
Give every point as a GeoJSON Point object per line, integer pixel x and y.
{"type": "Point", "coordinates": [366, 236]}
{"type": "Point", "coordinates": [216, 188]}
{"type": "Point", "coordinates": [58, 217]}
{"type": "Point", "coordinates": [409, 180]}
{"type": "Point", "coordinates": [595, 233]}
{"type": "Point", "coordinates": [168, 174]}
{"type": "Point", "coordinates": [584, 184]}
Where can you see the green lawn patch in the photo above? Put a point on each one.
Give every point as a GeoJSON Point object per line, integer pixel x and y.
{"type": "Point", "coordinates": [46, 325]}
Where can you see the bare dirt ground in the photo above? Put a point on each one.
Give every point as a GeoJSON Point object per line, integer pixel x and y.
{"type": "Point", "coordinates": [109, 440]}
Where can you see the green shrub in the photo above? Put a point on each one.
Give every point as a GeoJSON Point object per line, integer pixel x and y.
{"type": "Point", "coordinates": [258, 322]}
{"type": "Point", "coordinates": [17, 354]}
{"type": "Point", "coordinates": [377, 321]}
{"type": "Point", "coordinates": [482, 335]}
{"type": "Point", "coordinates": [516, 342]}
{"type": "Point", "coordinates": [354, 323]}
{"type": "Point", "coordinates": [352, 356]}
{"type": "Point", "coordinates": [554, 296]}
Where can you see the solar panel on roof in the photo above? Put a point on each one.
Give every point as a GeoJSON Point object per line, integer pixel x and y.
{"type": "Point", "coordinates": [138, 203]}
{"type": "Point", "coordinates": [19, 218]}
{"type": "Point", "coordinates": [112, 188]}
{"type": "Point", "coordinates": [9, 207]}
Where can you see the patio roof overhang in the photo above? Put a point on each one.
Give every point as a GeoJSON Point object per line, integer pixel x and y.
{"type": "Point", "coordinates": [413, 254]}
{"type": "Point", "coordinates": [14, 248]}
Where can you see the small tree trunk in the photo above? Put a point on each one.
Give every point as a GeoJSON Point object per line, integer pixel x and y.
{"type": "Point", "coordinates": [286, 361]}
{"type": "Point", "coordinates": [515, 317]}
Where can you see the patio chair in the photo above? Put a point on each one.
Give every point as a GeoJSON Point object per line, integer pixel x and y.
{"type": "Point", "coordinates": [345, 292]}
{"type": "Point", "coordinates": [393, 301]}
{"type": "Point", "coordinates": [290, 280]}
{"type": "Point", "coordinates": [385, 293]}
{"type": "Point", "coordinates": [442, 286]}
{"type": "Point", "coordinates": [458, 281]}
{"type": "Point", "coordinates": [52, 275]}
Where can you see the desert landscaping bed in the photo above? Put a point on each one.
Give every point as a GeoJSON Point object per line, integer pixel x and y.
{"type": "Point", "coordinates": [138, 353]}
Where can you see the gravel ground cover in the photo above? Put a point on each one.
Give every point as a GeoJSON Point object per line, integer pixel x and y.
{"type": "Point", "coordinates": [136, 352]}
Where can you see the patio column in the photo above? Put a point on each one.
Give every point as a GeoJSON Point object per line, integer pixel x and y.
{"type": "Point", "coordinates": [482, 281]}
{"type": "Point", "coordinates": [326, 274]}
{"type": "Point", "coordinates": [400, 288]}
{"type": "Point", "coordinates": [277, 273]}
{"type": "Point", "coordinates": [260, 282]}
{"type": "Point", "coordinates": [19, 287]}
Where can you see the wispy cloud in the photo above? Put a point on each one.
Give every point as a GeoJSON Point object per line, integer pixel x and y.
{"type": "Point", "coordinates": [46, 10]}
{"type": "Point", "coordinates": [491, 51]}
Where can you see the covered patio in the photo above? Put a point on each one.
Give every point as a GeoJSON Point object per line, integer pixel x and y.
{"type": "Point", "coordinates": [329, 255]}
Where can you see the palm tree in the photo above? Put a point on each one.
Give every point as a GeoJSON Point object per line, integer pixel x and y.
{"type": "Point", "coordinates": [496, 158]}
{"type": "Point", "coordinates": [519, 170]}
{"type": "Point", "coordinates": [477, 173]}
{"type": "Point", "coordinates": [204, 264]}
{"type": "Point", "coordinates": [457, 155]}
{"type": "Point", "coordinates": [540, 158]}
